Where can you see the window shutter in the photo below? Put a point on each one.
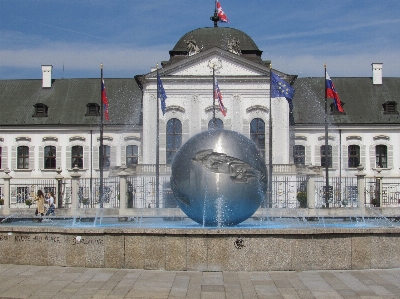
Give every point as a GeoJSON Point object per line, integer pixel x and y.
{"type": "Point", "coordinates": [86, 152]}
{"type": "Point", "coordinates": [123, 155]}
{"type": "Point", "coordinates": [41, 157]}
{"type": "Point", "coordinates": [372, 157]}
{"type": "Point", "coordinates": [345, 156]}
{"type": "Point", "coordinates": [68, 155]}
{"type": "Point", "coordinates": [363, 156]}
{"type": "Point", "coordinates": [308, 155]}
{"type": "Point", "coordinates": [317, 155]}
{"type": "Point", "coordinates": [58, 157]}
{"type": "Point", "coordinates": [95, 157]}
{"type": "Point", "coordinates": [335, 161]}
{"type": "Point", "coordinates": [13, 157]}
{"type": "Point", "coordinates": [32, 157]}
{"type": "Point", "coordinates": [4, 157]}
{"type": "Point", "coordinates": [246, 129]}
{"type": "Point", "coordinates": [113, 158]}
{"type": "Point", "coordinates": [390, 156]}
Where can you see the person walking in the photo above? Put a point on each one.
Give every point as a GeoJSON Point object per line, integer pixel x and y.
{"type": "Point", "coordinates": [39, 198]}
{"type": "Point", "coordinates": [50, 201]}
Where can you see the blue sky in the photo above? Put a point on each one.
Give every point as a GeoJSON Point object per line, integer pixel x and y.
{"type": "Point", "coordinates": [130, 37]}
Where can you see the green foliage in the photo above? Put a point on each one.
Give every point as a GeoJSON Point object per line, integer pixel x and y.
{"type": "Point", "coordinates": [28, 202]}
{"type": "Point", "coordinates": [302, 199]}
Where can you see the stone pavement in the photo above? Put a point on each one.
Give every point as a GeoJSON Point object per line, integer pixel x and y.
{"type": "Point", "coordinates": [24, 281]}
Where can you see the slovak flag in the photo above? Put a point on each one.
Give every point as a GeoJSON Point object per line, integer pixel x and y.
{"type": "Point", "coordinates": [104, 100]}
{"type": "Point", "coordinates": [330, 92]}
{"type": "Point", "coordinates": [218, 95]}
{"type": "Point", "coordinates": [222, 16]}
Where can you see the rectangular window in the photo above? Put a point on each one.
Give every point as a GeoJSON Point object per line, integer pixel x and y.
{"type": "Point", "coordinates": [354, 156]}
{"type": "Point", "coordinates": [299, 155]}
{"type": "Point", "coordinates": [77, 157]}
{"type": "Point", "coordinates": [50, 157]}
{"type": "Point", "coordinates": [381, 156]}
{"type": "Point", "coordinates": [23, 157]}
{"type": "Point", "coordinates": [326, 156]}
{"type": "Point", "coordinates": [0, 160]}
{"type": "Point", "coordinates": [106, 156]}
{"type": "Point", "coordinates": [131, 155]}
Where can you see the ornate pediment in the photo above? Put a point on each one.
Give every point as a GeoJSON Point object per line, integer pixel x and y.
{"type": "Point", "coordinates": [199, 65]}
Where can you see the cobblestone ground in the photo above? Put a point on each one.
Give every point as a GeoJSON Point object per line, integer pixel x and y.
{"type": "Point", "coordinates": [24, 281]}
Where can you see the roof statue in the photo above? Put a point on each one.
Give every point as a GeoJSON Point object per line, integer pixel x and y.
{"type": "Point", "coordinates": [192, 46]}
{"type": "Point", "coordinates": [234, 45]}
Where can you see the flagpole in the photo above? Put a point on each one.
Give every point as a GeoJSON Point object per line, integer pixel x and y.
{"type": "Point", "coordinates": [158, 146]}
{"type": "Point", "coordinates": [326, 148]}
{"type": "Point", "coordinates": [101, 139]}
{"type": "Point", "coordinates": [215, 17]}
{"type": "Point", "coordinates": [269, 199]}
{"type": "Point", "coordinates": [213, 67]}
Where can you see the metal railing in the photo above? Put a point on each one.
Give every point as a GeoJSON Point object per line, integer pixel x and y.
{"type": "Point", "coordinates": [23, 191]}
{"type": "Point", "coordinates": [342, 192]}
{"type": "Point", "coordinates": [141, 192]}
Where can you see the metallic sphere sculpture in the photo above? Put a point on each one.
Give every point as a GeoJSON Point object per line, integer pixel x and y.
{"type": "Point", "coordinates": [219, 178]}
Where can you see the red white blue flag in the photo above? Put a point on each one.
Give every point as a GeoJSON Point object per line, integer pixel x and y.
{"type": "Point", "coordinates": [222, 16]}
{"type": "Point", "coordinates": [218, 96]}
{"type": "Point", "coordinates": [104, 100]}
{"type": "Point", "coordinates": [330, 92]}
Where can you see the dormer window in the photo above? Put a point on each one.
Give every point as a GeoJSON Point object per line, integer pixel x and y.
{"type": "Point", "coordinates": [40, 110]}
{"type": "Point", "coordinates": [334, 111]}
{"type": "Point", "coordinates": [390, 108]}
{"type": "Point", "coordinates": [93, 109]}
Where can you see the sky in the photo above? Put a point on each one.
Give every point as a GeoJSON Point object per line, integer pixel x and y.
{"type": "Point", "coordinates": [130, 36]}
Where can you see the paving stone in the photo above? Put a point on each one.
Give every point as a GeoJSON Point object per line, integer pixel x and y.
{"type": "Point", "coordinates": [98, 283]}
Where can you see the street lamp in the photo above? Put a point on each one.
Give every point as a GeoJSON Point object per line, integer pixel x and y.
{"type": "Point", "coordinates": [59, 179]}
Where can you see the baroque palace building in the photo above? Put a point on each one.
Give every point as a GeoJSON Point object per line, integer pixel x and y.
{"type": "Point", "coordinates": [52, 123]}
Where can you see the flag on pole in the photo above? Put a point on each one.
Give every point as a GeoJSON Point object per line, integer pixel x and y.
{"type": "Point", "coordinates": [218, 96]}
{"type": "Point", "coordinates": [222, 16]}
{"type": "Point", "coordinates": [280, 88]}
{"type": "Point", "coordinates": [330, 92]}
{"type": "Point", "coordinates": [161, 95]}
{"type": "Point", "coordinates": [104, 100]}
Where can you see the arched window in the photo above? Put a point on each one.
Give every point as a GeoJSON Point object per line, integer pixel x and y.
{"type": "Point", "coordinates": [50, 157]}
{"type": "Point", "coordinates": [106, 155]}
{"type": "Point", "coordinates": [132, 155]}
{"type": "Point", "coordinates": [381, 156]}
{"type": "Point", "coordinates": [174, 138]}
{"type": "Point", "coordinates": [326, 156]}
{"type": "Point", "coordinates": [77, 156]}
{"type": "Point", "coordinates": [257, 134]}
{"type": "Point", "coordinates": [354, 156]}
{"type": "Point", "coordinates": [299, 155]}
{"type": "Point", "coordinates": [22, 157]}
{"type": "Point", "coordinates": [218, 124]}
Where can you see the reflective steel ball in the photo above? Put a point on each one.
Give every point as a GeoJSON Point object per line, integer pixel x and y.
{"type": "Point", "coordinates": [219, 178]}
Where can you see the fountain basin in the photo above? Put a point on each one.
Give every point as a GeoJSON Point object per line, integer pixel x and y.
{"type": "Point", "coordinates": [202, 249]}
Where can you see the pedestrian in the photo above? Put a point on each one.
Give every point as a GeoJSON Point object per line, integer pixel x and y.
{"type": "Point", "coordinates": [50, 201]}
{"type": "Point", "coordinates": [39, 198]}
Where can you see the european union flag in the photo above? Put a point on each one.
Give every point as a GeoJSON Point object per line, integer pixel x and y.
{"type": "Point", "coordinates": [280, 88]}
{"type": "Point", "coordinates": [161, 95]}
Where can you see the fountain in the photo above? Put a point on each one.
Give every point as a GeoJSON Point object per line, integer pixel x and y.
{"type": "Point", "coordinates": [219, 180]}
